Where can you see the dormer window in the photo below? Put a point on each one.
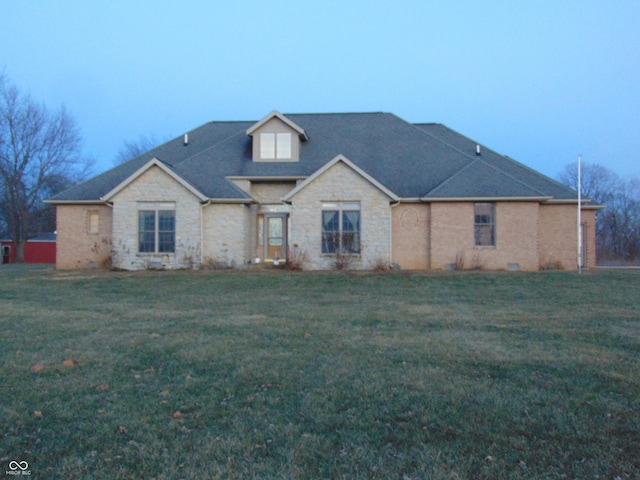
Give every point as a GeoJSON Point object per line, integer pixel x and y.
{"type": "Point", "coordinates": [276, 139]}
{"type": "Point", "coordinates": [275, 146]}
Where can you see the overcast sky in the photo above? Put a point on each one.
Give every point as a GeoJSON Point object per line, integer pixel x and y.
{"type": "Point", "coordinates": [539, 81]}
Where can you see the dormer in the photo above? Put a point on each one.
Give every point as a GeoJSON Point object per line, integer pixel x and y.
{"type": "Point", "coordinates": [276, 139]}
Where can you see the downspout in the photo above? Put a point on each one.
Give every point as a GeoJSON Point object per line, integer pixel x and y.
{"type": "Point", "coordinates": [202, 207]}
{"type": "Point", "coordinates": [392, 205]}
{"type": "Point", "coordinates": [110, 205]}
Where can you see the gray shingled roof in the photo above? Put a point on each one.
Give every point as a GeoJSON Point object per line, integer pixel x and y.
{"type": "Point", "coordinates": [413, 161]}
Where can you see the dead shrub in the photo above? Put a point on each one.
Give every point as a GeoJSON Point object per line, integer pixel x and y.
{"type": "Point", "coordinates": [297, 258]}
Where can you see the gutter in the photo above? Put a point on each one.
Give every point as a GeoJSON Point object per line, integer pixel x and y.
{"type": "Point", "coordinates": [75, 202]}
{"type": "Point", "coordinates": [483, 199]}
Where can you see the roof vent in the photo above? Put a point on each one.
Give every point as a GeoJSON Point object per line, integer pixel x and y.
{"type": "Point", "coordinates": [186, 139]}
{"type": "Point", "coordinates": [478, 150]}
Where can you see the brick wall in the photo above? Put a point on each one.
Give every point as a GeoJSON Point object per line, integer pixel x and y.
{"type": "Point", "coordinates": [558, 244]}
{"type": "Point", "coordinates": [76, 247]}
{"type": "Point", "coordinates": [410, 236]}
{"type": "Point", "coordinates": [451, 227]}
{"type": "Point", "coordinates": [452, 237]}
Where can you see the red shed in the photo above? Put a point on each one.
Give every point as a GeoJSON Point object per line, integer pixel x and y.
{"type": "Point", "coordinates": [41, 249]}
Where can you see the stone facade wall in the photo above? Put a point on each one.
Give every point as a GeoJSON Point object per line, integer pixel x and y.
{"type": "Point", "coordinates": [270, 192]}
{"type": "Point", "coordinates": [341, 184]}
{"type": "Point", "coordinates": [410, 236]}
{"type": "Point", "coordinates": [227, 235]}
{"type": "Point", "coordinates": [76, 246]}
{"type": "Point", "coordinates": [154, 185]}
{"type": "Point", "coordinates": [452, 237]}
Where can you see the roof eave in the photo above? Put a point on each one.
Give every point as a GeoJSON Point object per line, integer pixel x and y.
{"type": "Point", "coordinates": [242, 201]}
{"type": "Point", "coordinates": [74, 202]}
{"type": "Point", "coordinates": [271, 178]}
{"type": "Point", "coordinates": [479, 199]}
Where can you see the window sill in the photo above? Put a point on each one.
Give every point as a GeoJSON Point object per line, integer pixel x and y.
{"type": "Point", "coordinates": [275, 160]}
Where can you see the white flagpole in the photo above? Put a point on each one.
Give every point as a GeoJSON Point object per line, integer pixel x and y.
{"type": "Point", "coordinates": [579, 215]}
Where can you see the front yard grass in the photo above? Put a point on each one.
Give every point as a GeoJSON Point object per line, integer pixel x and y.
{"type": "Point", "coordinates": [170, 375]}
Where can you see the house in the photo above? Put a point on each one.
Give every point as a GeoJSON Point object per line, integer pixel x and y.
{"type": "Point", "coordinates": [367, 188]}
{"type": "Point", "coordinates": [40, 249]}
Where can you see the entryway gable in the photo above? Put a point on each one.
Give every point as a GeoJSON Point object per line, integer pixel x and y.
{"type": "Point", "coordinates": [341, 212]}
{"type": "Point", "coordinates": [328, 166]}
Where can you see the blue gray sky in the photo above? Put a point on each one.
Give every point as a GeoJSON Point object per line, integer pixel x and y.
{"type": "Point", "coordinates": [542, 81]}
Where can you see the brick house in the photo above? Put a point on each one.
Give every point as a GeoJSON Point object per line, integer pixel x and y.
{"type": "Point", "coordinates": [367, 187]}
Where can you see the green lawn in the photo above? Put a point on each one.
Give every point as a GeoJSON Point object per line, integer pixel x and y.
{"type": "Point", "coordinates": [171, 375]}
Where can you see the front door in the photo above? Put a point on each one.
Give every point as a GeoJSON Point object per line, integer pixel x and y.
{"type": "Point", "coordinates": [274, 236]}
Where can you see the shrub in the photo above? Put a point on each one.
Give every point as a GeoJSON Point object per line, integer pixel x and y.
{"type": "Point", "coordinates": [297, 258]}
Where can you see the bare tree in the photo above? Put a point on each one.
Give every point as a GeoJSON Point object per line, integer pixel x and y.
{"type": "Point", "coordinates": [620, 223]}
{"type": "Point", "coordinates": [132, 148]}
{"type": "Point", "coordinates": [618, 226]}
{"type": "Point", "coordinates": [39, 156]}
{"type": "Point", "coordinates": [598, 183]}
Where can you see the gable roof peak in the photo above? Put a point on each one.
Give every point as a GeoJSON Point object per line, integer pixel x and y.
{"type": "Point", "coordinates": [165, 167]}
{"type": "Point", "coordinates": [275, 114]}
{"type": "Point", "coordinates": [340, 159]}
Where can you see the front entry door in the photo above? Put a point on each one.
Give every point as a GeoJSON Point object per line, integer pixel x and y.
{"type": "Point", "coordinates": [275, 236]}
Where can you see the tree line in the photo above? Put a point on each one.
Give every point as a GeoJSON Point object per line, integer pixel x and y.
{"type": "Point", "coordinates": [40, 155]}
{"type": "Point", "coordinates": [618, 224]}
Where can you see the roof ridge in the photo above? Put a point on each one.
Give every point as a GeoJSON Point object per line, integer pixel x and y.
{"type": "Point", "coordinates": [539, 174]}
{"type": "Point", "coordinates": [492, 167]}
{"type": "Point", "coordinates": [516, 162]}
{"type": "Point", "coordinates": [448, 179]}
{"type": "Point", "coordinates": [520, 164]}
{"type": "Point", "coordinates": [197, 154]}
{"type": "Point", "coordinates": [453, 147]}
{"type": "Point", "coordinates": [335, 113]}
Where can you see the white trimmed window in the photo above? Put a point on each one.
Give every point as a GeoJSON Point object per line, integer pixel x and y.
{"type": "Point", "coordinates": [484, 230]}
{"type": "Point", "coordinates": [156, 227]}
{"type": "Point", "coordinates": [93, 222]}
{"type": "Point", "coordinates": [275, 146]}
{"type": "Point", "coordinates": [341, 227]}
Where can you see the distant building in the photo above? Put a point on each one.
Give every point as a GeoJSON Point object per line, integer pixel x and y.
{"type": "Point", "coordinates": [41, 249]}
